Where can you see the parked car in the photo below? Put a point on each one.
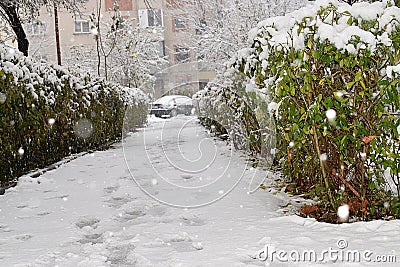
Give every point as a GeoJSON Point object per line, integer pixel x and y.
{"type": "Point", "coordinates": [171, 105]}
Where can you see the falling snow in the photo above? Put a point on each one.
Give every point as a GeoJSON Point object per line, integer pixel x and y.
{"type": "Point", "coordinates": [123, 206]}
{"type": "Point", "coordinates": [331, 114]}
{"type": "Point", "coordinates": [343, 212]}
{"type": "Point", "coordinates": [3, 98]}
{"type": "Point", "coordinates": [21, 151]}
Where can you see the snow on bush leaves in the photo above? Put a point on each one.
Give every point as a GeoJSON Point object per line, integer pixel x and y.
{"type": "Point", "coordinates": [326, 59]}
{"type": "Point", "coordinates": [42, 106]}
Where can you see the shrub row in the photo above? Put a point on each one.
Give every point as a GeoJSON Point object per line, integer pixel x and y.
{"type": "Point", "coordinates": [329, 73]}
{"type": "Point", "coordinates": [233, 111]}
{"type": "Point", "coordinates": [48, 112]}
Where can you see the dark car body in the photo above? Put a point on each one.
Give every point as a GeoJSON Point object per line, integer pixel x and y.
{"type": "Point", "coordinates": [171, 105]}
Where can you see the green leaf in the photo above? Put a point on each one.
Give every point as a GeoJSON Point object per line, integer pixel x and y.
{"type": "Point", "coordinates": [342, 142]}
{"type": "Point", "coordinates": [350, 84]}
{"type": "Point", "coordinates": [350, 21]}
{"type": "Point", "coordinates": [363, 85]}
{"type": "Point", "coordinates": [292, 91]}
{"type": "Point", "coordinates": [371, 185]}
{"type": "Point", "coordinates": [358, 76]}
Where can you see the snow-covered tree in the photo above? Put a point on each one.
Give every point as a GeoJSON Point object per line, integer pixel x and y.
{"type": "Point", "coordinates": [15, 12]}
{"type": "Point", "coordinates": [220, 27]}
{"type": "Point", "coordinates": [137, 56]}
{"type": "Point", "coordinates": [125, 53]}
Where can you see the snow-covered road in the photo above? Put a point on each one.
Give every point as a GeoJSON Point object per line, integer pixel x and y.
{"type": "Point", "coordinates": [171, 195]}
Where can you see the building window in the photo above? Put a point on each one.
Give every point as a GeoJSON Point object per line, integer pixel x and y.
{"type": "Point", "coordinates": [36, 28]}
{"type": "Point", "coordinates": [200, 26]}
{"type": "Point", "coordinates": [82, 26]}
{"type": "Point", "coordinates": [156, 49]}
{"type": "Point", "coordinates": [181, 53]}
{"type": "Point", "coordinates": [161, 49]}
{"type": "Point", "coordinates": [150, 18]}
{"type": "Point", "coordinates": [180, 23]}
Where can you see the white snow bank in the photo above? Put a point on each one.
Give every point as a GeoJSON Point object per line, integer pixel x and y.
{"type": "Point", "coordinates": [43, 81]}
{"type": "Point", "coordinates": [283, 31]}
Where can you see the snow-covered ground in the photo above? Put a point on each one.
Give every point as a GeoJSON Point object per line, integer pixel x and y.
{"type": "Point", "coordinates": [125, 207]}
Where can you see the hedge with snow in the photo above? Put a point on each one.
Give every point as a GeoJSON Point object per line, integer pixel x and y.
{"type": "Point", "coordinates": [330, 74]}
{"type": "Point", "coordinates": [232, 113]}
{"type": "Point", "coordinates": [48, 112]}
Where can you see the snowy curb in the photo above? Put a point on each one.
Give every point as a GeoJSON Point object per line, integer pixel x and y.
{"type": "Point", "coordinates": [40, 172]}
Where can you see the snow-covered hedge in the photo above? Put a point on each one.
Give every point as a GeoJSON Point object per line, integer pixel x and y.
{"type": "Point", "coordinates": [230, 111]}
{"type": "Point", "coordinates": [330, 75]}
{"type": "Point", "coordinates": [48, 112]}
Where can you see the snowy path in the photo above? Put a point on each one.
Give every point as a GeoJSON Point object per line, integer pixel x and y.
{"type": "Point", "coordinates": [94, 211]}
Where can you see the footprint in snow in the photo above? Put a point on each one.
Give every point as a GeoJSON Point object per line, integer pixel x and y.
{"type": "Point", "coordinates": [92, 239]}
{"type": "Point", "coordinates": [119, 201]}
{"type": "Point", "coordinates": [63, 197]}
{"type": "Point", "coordinates": [127, 177]}
{"type": "Point", "coordinates": [182, 242]}
{"type": "Point", "coordinates": [121, 255]}
{"type": "Point", "coordinates": [157, 211]}
{"type": "Point", "coordinates": [184, 246]}
{"type": "Point", "coordinates": [23, 237]}
{"type": "Point", "coordinates": [155, 157]}
{"type": "Point", "coordinates": [4, 228]}
{"type": "Point", "coordinates": [130, 215]}
{"type": "Point", "coordinates": [87, 221]}
{"type": "Point", "coordinates": [111, 189]}
{"type": "Point", "coordinates": [193, 220]}
{"type": "Point", "coordinates": [48, 191]}
{"type": "Point", "coordinates": [43, 213]}
{"type": "Point", "coordinates": [186, 176]}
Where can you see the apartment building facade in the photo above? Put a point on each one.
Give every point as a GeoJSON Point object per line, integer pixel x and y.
{"type": "Point", "coordinates": [181, 73]}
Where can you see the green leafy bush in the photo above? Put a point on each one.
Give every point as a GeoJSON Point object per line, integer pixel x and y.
{"type": "Point", "coordinates": [48, 112]}
{"type": "Point", "coordinates": [332, 73]}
